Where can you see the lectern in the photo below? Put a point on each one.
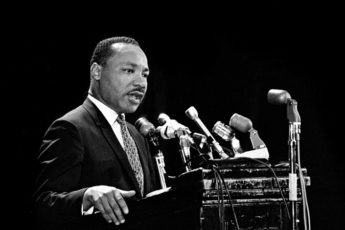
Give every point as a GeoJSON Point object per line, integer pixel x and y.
{"type": "Point", "coordinates": [259, 196]}
{"type": "Point", "coordinates": [177, 208]}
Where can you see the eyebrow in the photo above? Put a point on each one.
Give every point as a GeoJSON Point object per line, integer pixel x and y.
{"type": "Point", "coordinates": [134, 65]}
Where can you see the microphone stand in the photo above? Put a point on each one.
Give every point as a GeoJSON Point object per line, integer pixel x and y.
{"type": "Point", "coordinates": [294, 151]}
{"type": "Point", "coordinates": [159, 157]}
{"type": "Point", "coordinates": [185, 143]}
{"type": "Point", "coordinates": [161, 170]}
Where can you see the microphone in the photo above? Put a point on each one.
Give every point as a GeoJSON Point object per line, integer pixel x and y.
{"type": "Point", "coordinates": [170, 128]}
{"type": "Point", "coordinates": [278, 96]}
{"type": "Point", "coordinates": [163, 118]}
{"type": "Point", "coordinates": [223, 131]}
{"type": "Point", "coordinates": [200, 138]}
{"type": "Point", "coordinates": [245, 125]}
{"type": "Point", "coordinates": [147, 129]}
{"type": "Point", "coordinates": [193, 114]}
{"type": "Point", "coordinates": [240, 123]}
{"type": "Point", "coordinates": [201, 144]}
{"type": "Point", "coordinates": [227, 134]}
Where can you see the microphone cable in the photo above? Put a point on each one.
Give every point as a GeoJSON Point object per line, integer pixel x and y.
{"type": "Point", "coordinates": [221, 186]}
{"type": "Point", "coordinates": [274, 174]}
{"type": "Point", "coordinates": [305, 206]}
{"type": "Point", "coordinates": [306, 214]}
{"type": "Point", "coordinates": [220, 199]}
{"type": "Point", "coordinates": [222, 181]}
{"type": "Point", "coordinates": [276, 179]}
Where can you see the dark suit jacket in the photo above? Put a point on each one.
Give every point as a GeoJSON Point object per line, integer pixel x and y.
{"type": "Point", "coordinates": [80, 150]}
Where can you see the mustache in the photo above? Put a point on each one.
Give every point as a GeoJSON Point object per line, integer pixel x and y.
{"type": "Point", "coordinates": [141, 89]}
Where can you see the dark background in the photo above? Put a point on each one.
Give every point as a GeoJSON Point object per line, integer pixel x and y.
{"type": "Point", "coordinates": [220, 65]}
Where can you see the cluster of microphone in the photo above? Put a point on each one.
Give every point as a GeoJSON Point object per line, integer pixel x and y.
{"type": "Point", "coordinates": [170, 128]}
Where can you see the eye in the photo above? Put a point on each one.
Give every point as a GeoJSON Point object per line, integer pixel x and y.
{"type": "Point", "coordinates": [145, 75]}
{"type": "Point", "coordinates": [128, 70]}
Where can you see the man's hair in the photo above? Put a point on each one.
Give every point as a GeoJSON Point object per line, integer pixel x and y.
{"type": "Point", "coordinates": [103, 49]}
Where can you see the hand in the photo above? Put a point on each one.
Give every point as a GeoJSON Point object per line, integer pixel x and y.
{"type": "Point", "coordinates": [109, 201]}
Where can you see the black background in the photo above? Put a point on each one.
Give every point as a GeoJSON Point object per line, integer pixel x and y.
{"type": "Point", "coordinates": [221, 64]}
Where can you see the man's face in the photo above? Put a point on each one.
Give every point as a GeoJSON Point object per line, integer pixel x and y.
{"type": "Point", "coordinates": [123, 81]}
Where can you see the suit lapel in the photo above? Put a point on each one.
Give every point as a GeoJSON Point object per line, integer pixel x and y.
{"type": "Point", "coordinates": [115, 145]}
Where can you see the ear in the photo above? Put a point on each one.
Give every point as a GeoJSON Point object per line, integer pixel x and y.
{"type": "Point", "coordinates": [95, 71]}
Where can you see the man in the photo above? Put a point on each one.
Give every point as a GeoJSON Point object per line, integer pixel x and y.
{"type": "Point", "coordinates": [90, 164]}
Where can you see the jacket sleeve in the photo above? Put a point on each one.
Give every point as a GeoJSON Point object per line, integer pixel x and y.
{"type": "Point", "coordinates": [58, 199]}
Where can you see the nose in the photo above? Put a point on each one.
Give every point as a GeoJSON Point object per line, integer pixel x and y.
{"type": "Point", "coordinates": [140, 81]}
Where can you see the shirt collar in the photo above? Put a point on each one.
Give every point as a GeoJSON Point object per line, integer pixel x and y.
{"type": "Point", "coordinates": [109, 114]}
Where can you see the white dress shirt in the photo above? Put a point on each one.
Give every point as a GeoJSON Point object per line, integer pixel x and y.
{"type": "Point", "coordinates": [110, 115]}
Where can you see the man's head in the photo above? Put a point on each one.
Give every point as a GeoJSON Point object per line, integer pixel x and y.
{"type": "Point", "coordinates": [118, 73]}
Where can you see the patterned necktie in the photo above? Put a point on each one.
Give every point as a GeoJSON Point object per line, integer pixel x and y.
{"type": "Point", "coordinates": [132, 152]}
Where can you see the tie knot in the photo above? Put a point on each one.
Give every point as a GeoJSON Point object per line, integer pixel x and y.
{"type": "Point", "coordinates": [121, 119]}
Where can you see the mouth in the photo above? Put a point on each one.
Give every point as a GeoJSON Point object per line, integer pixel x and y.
{"type": "Point", "coordinates": [136, 96]}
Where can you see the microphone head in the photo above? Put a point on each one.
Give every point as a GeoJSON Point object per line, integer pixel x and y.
{"type": "Point", "coordinates": [240, 123]}
{"type": "Point", "coordinates": [192, 113]}
{"type": "Point", "coordinates": [199, 136]}
{"type": "Point", "coordinates": [278, 96]}
{"type": "Point", "coordinates": [144, 126]}
{"type": "Point", "coordinates": [222, 130]}
{"type": "Point", "coordinates": [163, 118]}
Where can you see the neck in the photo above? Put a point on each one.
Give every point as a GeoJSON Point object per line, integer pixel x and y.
{"type": "Point", "coordinates": [93, 92]}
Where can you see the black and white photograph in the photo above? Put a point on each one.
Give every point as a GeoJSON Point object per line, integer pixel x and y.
{"type": "Point", "coordinates": [173, 121]}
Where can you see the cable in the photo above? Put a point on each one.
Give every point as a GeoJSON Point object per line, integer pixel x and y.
{"type": "Point", "coordinates": [220, 199]}
{"type": "Point", "coordinates": [306, 215]}
{"type": "Point", "coordinates": [219, 189]}
{"type": "Point", "coordinates": [221, 186]}
{"type": "Point", "coordinates": [306, 212]}
{"type": "Point", "coordinates": [276, 178]}
{"type": "Point", "coordinates": [228, 193]}
{"type": "Point", "coordinates": [305, 206]}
